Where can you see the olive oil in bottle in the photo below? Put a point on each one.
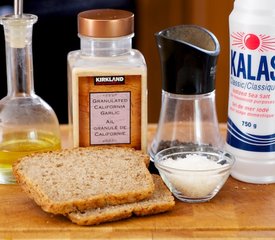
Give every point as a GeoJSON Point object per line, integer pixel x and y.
{"type": "Point", "coordinates": [19, 144]}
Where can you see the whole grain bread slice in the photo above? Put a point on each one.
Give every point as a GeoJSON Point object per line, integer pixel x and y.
{"type": "Point", "coordinates": [76, 179]}
{"type": "Point", "coordinates": [161, 201]}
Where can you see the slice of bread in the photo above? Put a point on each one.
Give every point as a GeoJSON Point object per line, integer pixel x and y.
{"type": "Point", "coordinates": [76, 179]}
{"type": "Point", "coordinates": [161, 201]}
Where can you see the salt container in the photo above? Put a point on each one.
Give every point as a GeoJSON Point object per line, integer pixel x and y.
{"type": "Point", "coordinates": [251, 107]}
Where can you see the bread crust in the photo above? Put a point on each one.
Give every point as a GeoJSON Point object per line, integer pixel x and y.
{"type": "Point", "coordinates": [161, 201]}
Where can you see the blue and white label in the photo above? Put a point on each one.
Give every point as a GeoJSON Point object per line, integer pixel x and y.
{"type": "Point", "coordinates": [251, 106]}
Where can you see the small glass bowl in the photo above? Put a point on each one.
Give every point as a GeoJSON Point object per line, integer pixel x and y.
{"type": "Point", "coordinates": [199, 179]}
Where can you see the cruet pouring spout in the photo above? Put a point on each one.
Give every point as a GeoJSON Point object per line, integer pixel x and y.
{"type": "Point", "coordinates": [188, 55]}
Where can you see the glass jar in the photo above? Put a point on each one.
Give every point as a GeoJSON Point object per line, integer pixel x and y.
{"type": "Point", "coordinates": [107, 82]}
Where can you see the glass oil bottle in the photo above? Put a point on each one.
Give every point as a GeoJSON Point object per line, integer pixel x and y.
{"type": "Point", "coordinates": [27, 123]}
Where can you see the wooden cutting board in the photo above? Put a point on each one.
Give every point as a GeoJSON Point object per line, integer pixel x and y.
{"type": "Point", "coordinates": [239, 210]}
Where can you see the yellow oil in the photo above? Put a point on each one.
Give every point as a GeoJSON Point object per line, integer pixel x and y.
{"type": "Point", "coordinates": [19, 144]}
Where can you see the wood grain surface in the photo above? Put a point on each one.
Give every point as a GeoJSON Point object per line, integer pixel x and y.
{"type": "Point", "coordinates": [239, 211]}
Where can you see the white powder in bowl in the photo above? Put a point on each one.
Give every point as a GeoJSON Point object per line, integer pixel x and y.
{"type": "Point", "coordinates": [192, 162]}
{"type": "Point", "coordinates": [195, 184]}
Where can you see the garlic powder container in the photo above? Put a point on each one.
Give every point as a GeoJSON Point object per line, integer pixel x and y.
{"type": "Point", "coordinates": [107, 82]}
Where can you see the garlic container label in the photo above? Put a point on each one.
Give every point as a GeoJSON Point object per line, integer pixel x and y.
{"type": "Point", "coordinates": [109, 110]}
{"type": "Point", "coordinates": [110, 117]}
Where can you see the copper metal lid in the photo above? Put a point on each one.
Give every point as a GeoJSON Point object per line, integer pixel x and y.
{"type": "Point", "coordinates": [105, 23]}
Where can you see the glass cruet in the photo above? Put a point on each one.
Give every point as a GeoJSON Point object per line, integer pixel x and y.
{"type": "Point", "coordinates": [27, 123]}
{"type": "Point", "coordinates": [188, 55]}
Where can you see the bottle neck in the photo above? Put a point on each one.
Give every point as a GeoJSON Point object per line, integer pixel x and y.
{"type": "Point", "coordinates": [105, 47]}
{"type": "Point", "coordinates": [19, 70]}
{"type": "Point", "coordinates": [18, 40]}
